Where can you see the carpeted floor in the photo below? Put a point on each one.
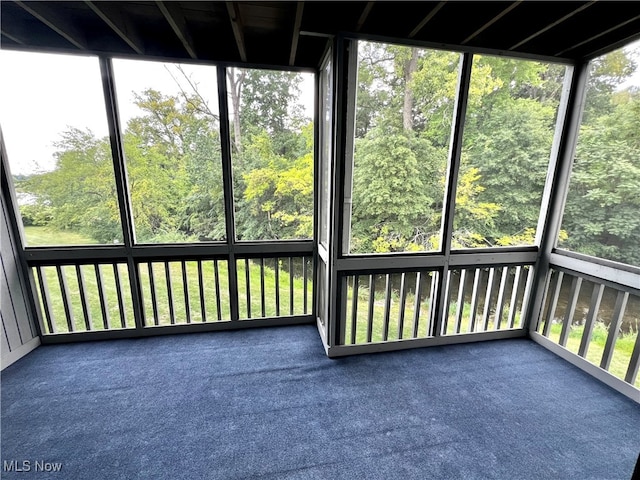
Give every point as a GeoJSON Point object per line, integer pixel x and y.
{"type": "Point", "coordinates": [267, 403]}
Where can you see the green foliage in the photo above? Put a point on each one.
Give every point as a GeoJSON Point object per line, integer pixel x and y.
{"type": "Point", "coordinates": [404, 112]}
{"type": "Point", "coordinates": [601, 215]}
{"type": "Point", "coordinates": [389, 161]}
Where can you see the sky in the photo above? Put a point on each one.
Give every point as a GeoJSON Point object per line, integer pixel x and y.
{"type": "Point", "coordinates": [47, 93]}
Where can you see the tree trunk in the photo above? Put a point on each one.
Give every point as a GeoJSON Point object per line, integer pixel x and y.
{"type": "Point", "coordinates": [407, 109]}
{"type": "Point", "coordinates": [235, 83]}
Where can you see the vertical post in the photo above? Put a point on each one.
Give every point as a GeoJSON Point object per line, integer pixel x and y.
{"type": "Point", "coordinates": [557, 183]}
{"type": "Point", "coordinates": [227, 181]}
{"type": "Point", "coordinates": [122, 186]}
{"type": "Point", "coordinates": [455, 152]}
{"type": "Point", "coordinates": [345, 62]}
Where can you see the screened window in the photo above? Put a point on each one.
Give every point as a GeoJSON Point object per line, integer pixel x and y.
{"type": "Point", "coordinates": [326, 142]}
{"type": "Point", "coordinates": [272, 153]}
{"type": "Point", "coordinates": [601, 216]}
{"type": "Point", "coordinates": [170, 125]}
{"type": "Point", "coordinates": [404, 108]}
{"type": "Point", "coordinates": [55, 130]}
{"type": "Point", "coordinates": [508, 132]}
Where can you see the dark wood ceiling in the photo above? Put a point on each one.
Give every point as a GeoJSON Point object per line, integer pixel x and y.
{"type": "Point", "coordinates": [296, 33]}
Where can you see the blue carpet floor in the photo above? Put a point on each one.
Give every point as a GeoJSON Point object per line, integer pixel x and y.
{"type": "Point", "coordinates": [267, 403]}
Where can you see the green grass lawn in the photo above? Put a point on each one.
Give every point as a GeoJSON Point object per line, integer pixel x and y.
{"type": "Point", "coordinates": [43, 236]}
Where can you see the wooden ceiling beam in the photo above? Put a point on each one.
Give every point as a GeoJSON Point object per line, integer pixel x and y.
{"type": "Point", "coordinates": [363, 16]}
{"type": "Point", "coordinates": [11, 36]}
{"type": "Point", "coordinates": [553, 24]}
{"type": "Point", "coordinates": [594, 37]}
{"type": "Point", "coordinates": [112, 15]}
{"type": "Point", "coordinates": [57, 22]}
{"type": "Point", "coordinates": [296, 33]}
{"type": "Point", "coordinates": [175, 18]}
{"type": "Point", "coordinates": [238, 29]}
{"type": "Point", "coordinates": [426, 19]}
{"type": "Point", "coordinates": [491, 22]}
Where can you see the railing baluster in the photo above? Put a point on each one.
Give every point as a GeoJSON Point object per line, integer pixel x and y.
{"type": "Point", "coordinates": [596, 298]}
{"type": "Point", "coordinates": [247, 278]}
{"type": "Point", "coordinates": [497, 322]}
{"type": "Point", "coordinates": [116, 276]}
{"type": "Point", "coordinates": [46, 300]}
{"type": "Point", "coordinates": [305, 291]}
{"type": "Point", "coordinates": [154, 298]}
{"type": "Point", "coordinates": [167, 274]}
{"type": "Point", "coordinates": [291, 286]}
{"type": "Point", "coordinates": [634, 362]}
{"type": "Point", "coordinates": [403, 301]}
{"type": "Point", "coordinates": [447, 305]}
{"type": "Point", "coordinates": [571, 309]}
{"type": "Point", "coordinates": [526, 294]}
{"type": "Point", "coordinates": [216, 274]}
{"type": "Point", "coordinates": [277, 279]}
{"type": "Point", "coordinates": [263, 303]}
{"type": "Point", "coordinates": [474, 300]}
{"type": "Point", "coordinates": [66, 299]}
{"type": "Point", "coordinates": [86, 312]}
{"type": "Point", "coordinates": [203, 305]}
{"type": "Point", "coordinates": [460, 306]}
{"type": "Point", "coordinates": [513, 305]}
{"type": "Point", "coordinates": [487, 300]}
{"type": "Point", "coordinates": [416, 305]}
{"type": "Point", "coordinates": [614, 328]}
{"type": "Point", "coordinates": [102, 294]}
{"type": "Point", "coordinates": [185, 287]}
{"type": "Point", "coordinates": [557, 286]}
{"type": "Point", "coordinates": [431, 320]}
{"type": "Point", "coordinates": [372, 293]}
{"type": "Point", "coordinates": [354, 308]}
{"type": "Point", "coordinates": [387, 308]}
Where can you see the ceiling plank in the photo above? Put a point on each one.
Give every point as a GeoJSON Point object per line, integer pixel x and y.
{"type": "Point", "coordinates": [605, 32]}
{"type": "Point", "coordinates": [112, 15]}
{"type": "Point", "coordinates": [614, 46]}
{"type": "Point", "coordinates": [553, 24]}
{"type": "Point", "coordinates": [296, 33]}
{"type": "Point", "coordinates": [236, 24]}
{"type": "Point", "coordinates": [175, 17]}
{"type": "Point", "coordinates": [491, 22]}
{"type": "Point", "coordinates": [426, 19]}
{"type": "Point", "coordinates": [11, 37]}
{"type": "Point", "coordinates": [56, 22]}
{"type": "Point", "coordinates": [364, 15]}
